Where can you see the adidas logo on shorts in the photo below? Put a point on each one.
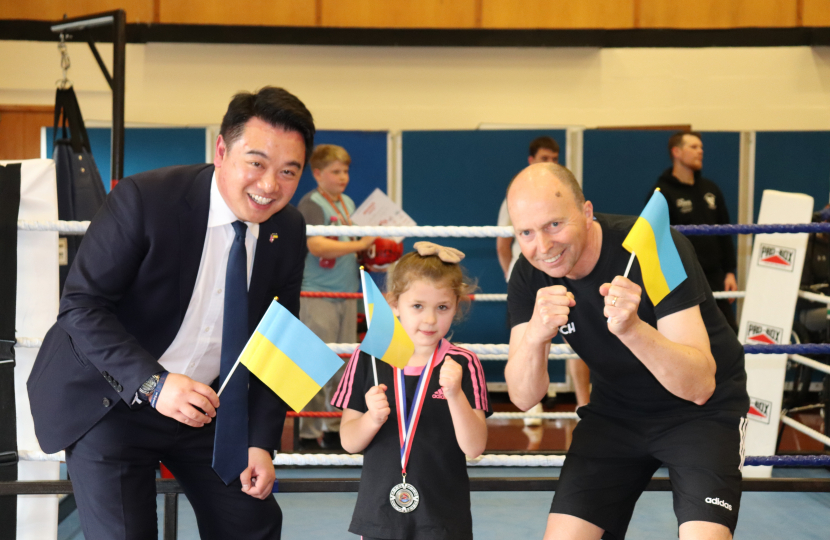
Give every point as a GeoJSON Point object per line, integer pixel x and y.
{"type": "Point", "coordinates": [716, 501]}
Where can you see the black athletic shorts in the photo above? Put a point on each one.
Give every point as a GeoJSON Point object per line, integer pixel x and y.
{"type": "Point", "coordinates": [611, 460]}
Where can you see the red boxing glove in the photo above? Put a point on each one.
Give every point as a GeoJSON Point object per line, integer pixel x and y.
{"type": "Point", "coordinates": [382, 253]}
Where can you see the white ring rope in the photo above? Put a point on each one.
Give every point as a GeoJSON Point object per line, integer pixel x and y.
{"type": "Point", "coordinates": [810, 432]}
{"type": "Point", "coordinates": [28, 342]}
{"type": "Point", "coordinates": [728, 294]}
{"type": "Point", "coordinates": [80, 227]}
{"type": "Point", "coordinates": [503, 460]}
{"type": "Point", "coordinates": [348, 460]}
{"type": "Point", "coordinates": [492, 357]}
{"type": "Point", "coordinates": [542, 415]}
{"type": "Point", "coordinates": [65, 227]}
{"type": "Point", "coordinates": [490, 297]}
{"type": "Point", "coordinates": [37, 455]}
{"type": "Point", "coordinates": [818, 366]}
{"type": "Point", "coordinates": [420, 231]}
{"type": "Point", "coordinates": [807, 295]}
{"type": "Point", "coordinates": [484, 351]}
{"type": "Point", "coordinates": [348, 348]}
{"type": "Point", "coordinates": [813, 297]}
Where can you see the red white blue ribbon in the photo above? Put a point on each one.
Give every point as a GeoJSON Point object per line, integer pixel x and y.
{"type": "Point", "coordinates": [408, 423]}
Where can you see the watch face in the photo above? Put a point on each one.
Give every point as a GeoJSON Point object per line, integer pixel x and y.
{"type": "Point", "coordinates": [149, 385]}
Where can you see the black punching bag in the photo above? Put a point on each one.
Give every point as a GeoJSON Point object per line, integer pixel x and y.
{"type": "Point", "coordinates": [80, 189]}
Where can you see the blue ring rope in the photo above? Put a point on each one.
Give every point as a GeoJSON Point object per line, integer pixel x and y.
{"type": "Point", "coordinates": [696, 230]}
{"type": "Point", "coordinates": [802, 348]}
{"type": "Point", "coordinates": [789, 461]}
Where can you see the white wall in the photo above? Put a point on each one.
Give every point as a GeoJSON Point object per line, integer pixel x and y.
{"type": "Point", "coordinates": [786, 88]}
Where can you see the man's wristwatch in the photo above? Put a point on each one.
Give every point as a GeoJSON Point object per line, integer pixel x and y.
{"type": "Point", "coordinates": [147, 387]}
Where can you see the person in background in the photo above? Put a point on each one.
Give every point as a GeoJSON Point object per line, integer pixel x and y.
{"type": "Point", "coordinates": [542, 149]}
{"type": "Point", "coordinates": [330, 266]}
{"type": "Point", "coordinates": [695, 200]}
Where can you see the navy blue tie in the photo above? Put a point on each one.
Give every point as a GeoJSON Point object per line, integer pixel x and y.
{"type": "Point", "coordinates": [230, 446]}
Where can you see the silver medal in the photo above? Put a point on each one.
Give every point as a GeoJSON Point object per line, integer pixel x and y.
{"type": "Point", "coordinates": [404, 498]}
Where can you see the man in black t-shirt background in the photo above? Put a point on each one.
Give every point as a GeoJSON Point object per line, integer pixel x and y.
{"type": "Point", "coordinates": [669, 385]}
{"type": "Point", "coordinates": [694, 200]}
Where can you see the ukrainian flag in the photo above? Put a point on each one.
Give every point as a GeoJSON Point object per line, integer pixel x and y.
{"type": "Point", "coordinates": [386, 339]}
{"type": "Point", "coordinates": [288, 357]}
{"type": "Point", "coordinates": [650, 239]}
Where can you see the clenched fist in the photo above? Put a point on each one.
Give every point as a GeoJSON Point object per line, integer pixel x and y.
{"type": "Point", "coordinates": [553, 305]}
{"type": "Point", "coordinates": [450, 377]}
{"type": "Point", "coordinates": [622, 299]}
{"type": "Point", "coordinates": [377, 404]}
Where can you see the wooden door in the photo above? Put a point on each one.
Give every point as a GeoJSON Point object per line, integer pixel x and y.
{"type": "Point", "coordinates": [20, 130]}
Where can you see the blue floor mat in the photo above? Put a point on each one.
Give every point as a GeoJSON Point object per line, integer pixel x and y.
{"type": "Point", "coordinates": [499, 515]}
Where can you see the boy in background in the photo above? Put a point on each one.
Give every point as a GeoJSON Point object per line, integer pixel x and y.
{"type": "Point", "coordinates": [330, 266]}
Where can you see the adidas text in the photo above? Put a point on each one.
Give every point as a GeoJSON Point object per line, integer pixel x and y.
{"type": "Point", "coordinates": [716, 501]}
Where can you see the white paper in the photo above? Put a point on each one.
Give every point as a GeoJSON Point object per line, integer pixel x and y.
{"type": "Point", "coordinates": [378, 209]}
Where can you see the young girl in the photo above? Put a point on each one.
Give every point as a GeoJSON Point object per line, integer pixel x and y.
{"type": "Point", "coordinates": [423, 490]}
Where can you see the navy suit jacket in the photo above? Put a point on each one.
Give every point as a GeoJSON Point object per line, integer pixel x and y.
{"type": "Point", "coordinates": [126, 296]}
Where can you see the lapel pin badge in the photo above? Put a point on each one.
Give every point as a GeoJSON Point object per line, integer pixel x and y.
{"type": "Point", "coordinates": [274, 236]}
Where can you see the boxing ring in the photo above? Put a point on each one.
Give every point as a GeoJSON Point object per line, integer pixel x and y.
{"type": "Point", "coordinates": [170, 489]}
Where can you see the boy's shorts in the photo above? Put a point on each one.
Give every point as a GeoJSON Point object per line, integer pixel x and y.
{"type": "Point", "coordinates": [611, 460]}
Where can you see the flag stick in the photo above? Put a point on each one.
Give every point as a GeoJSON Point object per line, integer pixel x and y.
{"type": "Point", "coordinates": [368, 321]}
{"type": "Point", "coordinates": [219, 393]}
{"type": "Point", "coordinates": [627, 269]}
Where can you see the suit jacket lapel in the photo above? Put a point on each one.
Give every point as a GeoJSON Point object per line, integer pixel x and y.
{"type": "Point", "coordinates": [265, 261]}
{"type": "Point", "coordinates": [192, 231]}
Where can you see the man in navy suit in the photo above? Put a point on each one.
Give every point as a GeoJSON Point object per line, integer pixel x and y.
{"type": "Point", "coordinates": [127, 376]}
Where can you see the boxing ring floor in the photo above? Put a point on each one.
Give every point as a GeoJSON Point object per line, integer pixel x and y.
{"type": "Point", "coordinates": [499, 515]}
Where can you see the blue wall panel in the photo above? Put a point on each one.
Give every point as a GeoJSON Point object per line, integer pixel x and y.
{"type": "Point", "coordinates": [620, 167]}
{"type": "Point", "coordinates": [459, 178]}
{"type": "Point", "coordinates": [151, 148]}
{"type": "Point", "coordinates": [793, 161]}
{"type": "Point", "coordinates": [144, 148]}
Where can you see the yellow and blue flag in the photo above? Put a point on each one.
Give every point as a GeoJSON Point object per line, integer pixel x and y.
{"type": "Point", "coordinates": [650, 239]}
{"type": "Point", "coordinates": [288, 357]}
{"type": "Point", "coordinates": [386, 339]}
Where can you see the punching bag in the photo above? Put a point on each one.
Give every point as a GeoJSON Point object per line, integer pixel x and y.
{"type": "Point", "coordinates": [80, 189]}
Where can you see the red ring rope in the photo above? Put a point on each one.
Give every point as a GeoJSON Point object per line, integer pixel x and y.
{"type": "Point", "coordinates": [309, 414]}
{"type": "Point", "coordinates": [316, 294]}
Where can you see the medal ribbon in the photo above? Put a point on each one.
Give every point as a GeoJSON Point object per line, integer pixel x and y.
{"type": "Point", "coordinates": [408, 423]}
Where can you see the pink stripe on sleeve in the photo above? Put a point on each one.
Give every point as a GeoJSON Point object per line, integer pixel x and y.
{"type": "Point", "coordinates": [476, 375]}
{"type": "Point", "coordinates": [344, 389]}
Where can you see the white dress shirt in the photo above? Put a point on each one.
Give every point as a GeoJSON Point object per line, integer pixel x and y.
{"type": "Point", "coordinates": [196, 350]}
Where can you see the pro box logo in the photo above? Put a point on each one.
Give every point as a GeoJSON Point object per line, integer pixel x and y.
{"type": "Point", "coordinates": [758, 333]}
{"type": "Point", "coordinates": [778, 257]}
{"type": "Point", "coordinates": [759, 410]}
